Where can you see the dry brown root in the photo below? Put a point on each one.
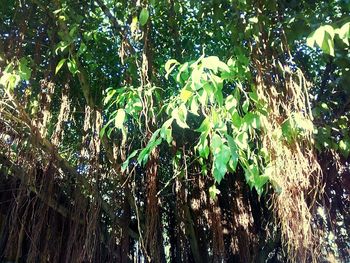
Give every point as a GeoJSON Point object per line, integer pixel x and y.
{"type": "Point", "coordinates": [295, 173]}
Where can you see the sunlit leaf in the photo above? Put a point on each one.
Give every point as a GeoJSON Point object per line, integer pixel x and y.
{"type": "Point", "coordinates": [109, 96]}
{"type": "Point", "coordinates": [60, 64]}
{"type": "Point", "coordinates": [344, 146]}
{"type": "Point", "coordinates": [213, 191]}
{"type": "Point", "coordinates": [214, 63]}
{"type": "Point", "coordinates": [202, 147]}
{"type": "Point", "coordinates": [182, 72]}
{"type": "Point", "coordinates": [134, 24]}
{"type": "Point", "coordinates": [119, 118]}
{"type": "Point", "coordinates": [242, 140]}
{"type": "Point", "coordinates": [194, 106]}
{"type": "Point", "coordinates": [245, 105]}
{"type": "Point", "coordinates": [323, 37]}
{"type": "Point", "coordinates": [180, 115]}
{"type": "Point", "coordinates": [170, 65]}
{"type": "Point", "coordinates": [344, 33]}
{"type": "Point", "coordinates": [230, 103]}
{"type": "Point", "coordinates": [185, 94]}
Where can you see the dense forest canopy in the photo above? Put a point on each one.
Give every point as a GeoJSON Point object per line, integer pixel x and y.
{"type": "Point", "coordinates": [174, 131]}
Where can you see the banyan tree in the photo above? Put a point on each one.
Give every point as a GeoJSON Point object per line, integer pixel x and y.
{"type": "Point", "coordinates": [174, 131]}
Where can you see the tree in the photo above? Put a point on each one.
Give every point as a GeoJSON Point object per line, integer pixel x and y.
{"type": "Point", "coordinates": [174, 131]}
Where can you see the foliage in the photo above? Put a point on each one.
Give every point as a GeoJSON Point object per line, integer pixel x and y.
{"type": "Point", "coordinates": [175, 130]}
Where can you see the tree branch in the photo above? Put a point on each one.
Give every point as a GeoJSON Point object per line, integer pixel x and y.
{"type": "Point", "coordinates": [117, 29]}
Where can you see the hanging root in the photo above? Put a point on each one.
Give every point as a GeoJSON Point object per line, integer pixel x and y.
{"type": "Point", "coordinates": [295, 172]}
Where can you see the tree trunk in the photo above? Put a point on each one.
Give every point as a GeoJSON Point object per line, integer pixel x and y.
{"type": "Point", "coordinates": [153, 231]}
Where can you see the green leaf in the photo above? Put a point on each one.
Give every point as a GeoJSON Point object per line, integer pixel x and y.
{"type": "Point", "coordinates": [264, 153]}
{"type": "Point", "coordinates": [82, 49]}
{"type": "Point", "coordinates": [316, 36]}
{"type": "Point", "coordinates": [230, 103]}
{"type": "Point", "coordinates": [196, 76]}
{"type": "Point", "coordinates": [216, 81]}
{"type": "Point", "coordinates": [330, 30]}
{"type": "Point", "coordinates": [143, 156]}
{"type": "Point", "coordinates": [103, 130]}
{"type": "Point", "coordinates": [126, 163]}
{"type": "Point", "coordinates": [234, 153]}
{"type": "Point", "coordinates": [183, 72]}
{"type": "Point", "coordinates": [252, 120]}
{"type": "Point", "coordinates": [167, 123]}
{"type": "Point", "coordinates": [110, 94]}
{"type": "Point", "coordinates": [9, 68]}
{"type": "Point", "coordinates": [344, 147]}
{"type": "Point", "coordinates": [242, 140]}
{"type": "Point", "coordinates": [215, 119]}
{"type": "Point", "coordinates": [10, 80]}
{"type": "Point", "coordinates": [154, 136]}
{"type": "Point", "coordinates": [205, 126]}
{"type": "Point", "coordinates": [72, 66]}
{"type": "Point", "coordinates": [253, 96]}
{"type": "Point", "coordinates": [251, 172]}
{"type": "Point", "coordinates": [328, 44]}
{"type": "Point", "coordinates": [119, 119]}
{"type": "Point", "coordinates": [221, 159]}
{"type": "Point", "coordinates": [152, 144]}
{"type": "Point", "coordinates": [324, 106]}
{"type": "Point", "coordinates": [245, 105]}
{"type": "Point", "coordinates": [344, 33]}
{"type": "Point", "coordinates": [110, 130]}
{"type": "Point", "coordinates": [214, 64]}
{"type": "Point", "coordinates": [166, 134]}
{"type": "Point", "coordinates": [60, 64]}
{"type": "Point", "coordinates": [194, 106]}
{"type": "Point", "coordinates": [253, 20]}
{"type": "Point", "coordinates": [144, 14]}
{"type": "Point", "coordinates": [72, 31]}
{"type": "Point", "coordinates": [219, 97]}
{"type": "Point", "coordinates": [288, 130]}
{"type": "Point", "coordinates": [203, 98]}
{"type": "Point", "coordinates": [62, 46]}
{"type": "Point", "coordinates": [24, 71]}
{"type": "Point", "coordinates": [57, 11]}
{"type": "Point", "coordinates": [259, 183]}
{"type": "Point", "coordinates": [323, 37]}
{"type": "Point", "coordinates": [202, 147]}
{"type": "Point", "coordinates": [180, 115]}
{"type": "Point", "coordinates": [236, 119]}
{"type": "Point", "coordinates": [209, 89]}
{"type": "Point", "coordinates": [216, 144]}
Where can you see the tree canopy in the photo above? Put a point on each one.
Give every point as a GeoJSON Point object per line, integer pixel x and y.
{"type": "Point", "coordinates": [174, 131]}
